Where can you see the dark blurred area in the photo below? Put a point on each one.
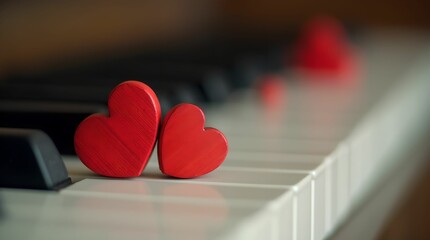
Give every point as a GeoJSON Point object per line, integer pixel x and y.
{"type": "Point", "coordinates": [53, 34]}
{"type": "Point", "coordinates": [60, 59]}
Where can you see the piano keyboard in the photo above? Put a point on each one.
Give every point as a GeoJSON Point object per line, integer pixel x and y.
{"type": "Point", "coordinates": [291, 173]}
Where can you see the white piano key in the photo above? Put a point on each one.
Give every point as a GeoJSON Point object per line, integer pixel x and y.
{"type": "Point", "coordinates": [311, 165]}
{"type": "Point", "coordinates": [280, 145]}
{"type": "Point", "coordinates": [257, 226]}
{"type": "Point", "coordinates": [367, 154]}
{"type": "Point", "coordinates": [221, 176]}
{"type": "Point", "coordinates": [283, 209]}
{"type": "Point", "coordinates": [303, 205]}
{"type": "Point", "coordinates": [172, 189]}
{"type": "Point", "coordinates": [115, 217]}
{"type": "Point", "coordinates": [361, 152]}
{"type": "Point", "coordinates": [270, 160]}
{"type": "Point", "coordinates": [277, 127]}
{"type": "Point", "coordinates": [304, 163]}
{"type": "Point", "coordinates": [274, 156]}
{"type": "Point", "coordinates": [239, 177]}
{"type": "Point", "coordinates": [355, 144]}
{"type": "Point", "coordinates": [192, 192]}
{"type": "Point", "coordinates": [319, 190]}
{"type": "Point", "coordinates": [286, 130]}
{"type": "Point", "coordinates": [329, 193]}
{"type": "Point", "coordinates": [270, 164]}
{"type": "Point", "coordinates": [334, 193]}
{"type": "Point", "coordinates": [341, 182]}
{"type": "Point", "coordinates": [270, 179]}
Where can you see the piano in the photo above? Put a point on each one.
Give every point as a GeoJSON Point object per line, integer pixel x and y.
{"type": "Point", "coordinates": [330, 162]}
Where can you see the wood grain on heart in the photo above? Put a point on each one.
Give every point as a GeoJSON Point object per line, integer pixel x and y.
{"type": "Point", "coordinates": [187, 149]}
{"type": "Point", "coordinates": [119, 145]}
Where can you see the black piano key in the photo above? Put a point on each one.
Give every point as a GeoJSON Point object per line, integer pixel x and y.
{"type": "Point", "coordinates": [30, 160]}
{"type": "Point", "coordinates": [204, 83]}
{"type": "Point", "coordinates": [199, 75]}
{"type": "Point", "coordinates": [246, 73]}
{"type": "Point", "coordinates": [215, 87]}
{"type": "Point", "coordinates": [54, 92]}
{"type": "Point", "coordinates": [166, 102]}
{"type": "Point", "coordinates": [239, 65]}
{"type": "Point", "coordinates": [184, 94]}
{"type": "Point", "coordinates": [58, 119]}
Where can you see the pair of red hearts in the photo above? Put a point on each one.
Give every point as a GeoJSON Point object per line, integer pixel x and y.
{"type": "Point", "coordinates": [120, 145]}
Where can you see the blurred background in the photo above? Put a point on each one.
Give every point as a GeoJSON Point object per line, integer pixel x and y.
{"type": "Point", "coordinates": [76, 51]}
{"type": "Point", "coordinates": [48, 34]}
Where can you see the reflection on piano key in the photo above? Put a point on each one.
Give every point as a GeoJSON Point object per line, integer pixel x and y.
{"type": "Point", "coordinates": [111, 217]}
{"type": "Point", "coordinates": [174, 190]}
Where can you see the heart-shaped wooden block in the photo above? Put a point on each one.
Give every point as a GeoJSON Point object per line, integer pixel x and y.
{"type": "Point", "coordinates": [323, 51]}
{"type": "Point", "coordinates": [119, 145]}
{"type": "Point", "coordinates": [186, 149]}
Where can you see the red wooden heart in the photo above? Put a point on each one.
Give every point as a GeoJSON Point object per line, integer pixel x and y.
{"type": "Point", "coordinates": [323, 51]}
{"type": "Point", "coordinates": [120, 145]}
{"type": "Point", "coordinates": [185, 148]}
